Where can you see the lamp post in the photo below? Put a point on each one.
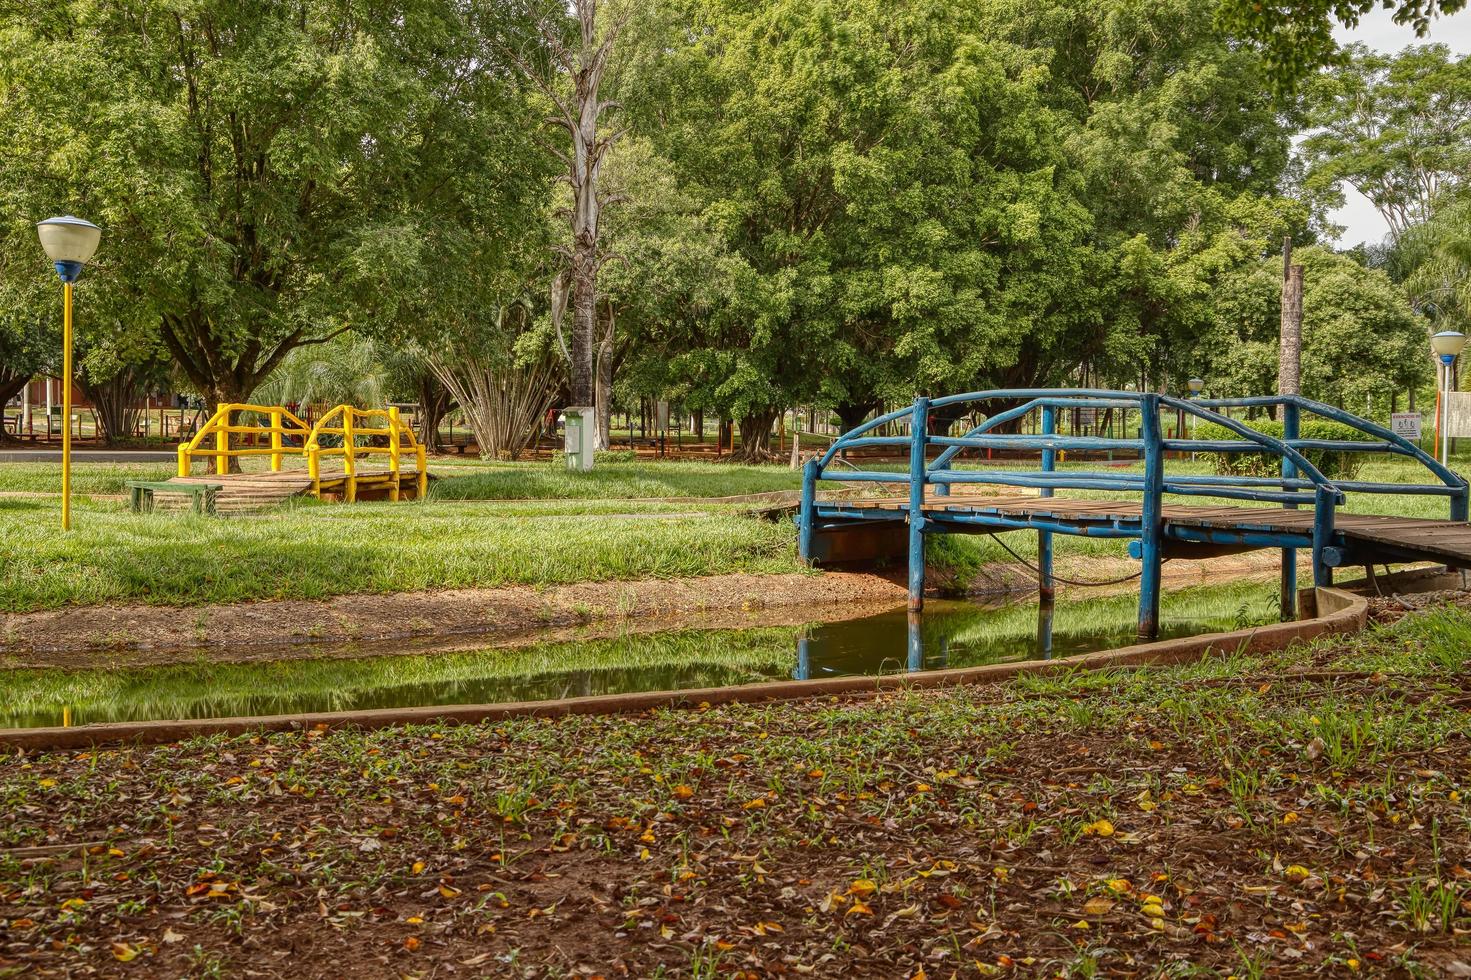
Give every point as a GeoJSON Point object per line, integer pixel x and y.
{"type": "Point", "coordinates": [1447, 346]}
{"type": "Point", "coordinates": [69, 243]}
{"type": "Point", "coordinates": [1196, 386]}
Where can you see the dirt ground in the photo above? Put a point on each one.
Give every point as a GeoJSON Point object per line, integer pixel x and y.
{"type": "Point", "coordinates": [99, 635]}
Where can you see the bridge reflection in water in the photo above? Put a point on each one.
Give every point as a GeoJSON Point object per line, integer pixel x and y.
{"type": "Point", "coordinates": [951, 633]}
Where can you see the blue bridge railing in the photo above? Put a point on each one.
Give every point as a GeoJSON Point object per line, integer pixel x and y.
{"type": "Point", "coordinates": [1299, 484]}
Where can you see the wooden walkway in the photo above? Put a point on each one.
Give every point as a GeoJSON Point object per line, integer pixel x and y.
{"type": "Point", "coordinates": [1361, 538]}
{"type": "Point", "coordinates": [243, 492]}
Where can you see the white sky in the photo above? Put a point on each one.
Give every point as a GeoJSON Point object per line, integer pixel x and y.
{"type": "Point", "coordinates": [1379, 31]}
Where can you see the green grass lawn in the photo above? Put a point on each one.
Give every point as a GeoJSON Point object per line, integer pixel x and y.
{"type": "Point", "coordinates": [487, 524]}
{"type": "Point", "coordinates": [540, 480]}
{"type": "Point", "coordinates": [317, 550]}
{"type": "Point", "coordinates": [101, 478]}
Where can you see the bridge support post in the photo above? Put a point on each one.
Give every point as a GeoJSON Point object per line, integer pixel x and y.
{"type": "Point", "coordinates": [1151, 522]}
{"type": "Point", "coordinates": [1323, 536]}
{"type": "Point", "coordinates": [915, 662]}
{"type": "Point", "coordinates": [1288, 582]}
{"type": "Point", "coordinates": [807, 511]}
{"type": "Point", "coordinates": [1044, 630]}
{"type": "Point", "coordinates": [919, 426]}
{"type": "Point", "coordinates": [1046, 589]}
{"type": "Point", "coordinates": [222, 439]}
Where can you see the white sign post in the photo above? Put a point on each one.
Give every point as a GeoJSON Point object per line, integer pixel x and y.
{"type": "Point", "coordinates": [1406, 425]}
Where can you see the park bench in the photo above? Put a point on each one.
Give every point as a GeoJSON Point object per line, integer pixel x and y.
{"type": "Point", "coordinates": [140, 493]}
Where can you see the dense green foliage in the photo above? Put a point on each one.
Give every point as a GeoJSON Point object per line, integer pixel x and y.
{"type": "Point", "coordinates": [1296, 36]}
{"type": "Point", "coordinates": [268, 175]}
{"type": "Point", "coordinates": [941, 196]}
{"type": "Point", "coordinates": [1362, 344]}
{"type": "Point", "coordinates": [827, 203]}
{"type": "Point", "coordinates": [1333, 464]}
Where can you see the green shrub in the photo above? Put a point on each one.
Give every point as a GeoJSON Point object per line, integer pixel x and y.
{"type": "Point", "coordinates": [1334, 465]}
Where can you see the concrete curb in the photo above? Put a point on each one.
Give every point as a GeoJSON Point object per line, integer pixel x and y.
{"type": "Point", "coordinates": [1335, 611]}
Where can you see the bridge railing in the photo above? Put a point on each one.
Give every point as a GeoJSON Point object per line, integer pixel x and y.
{"type": "Point", "coordinates": [357, 429]}
{"type": "Point", "coordinates": [1300, 483]}
{"type": "Point", "coordinates": [213, 441]}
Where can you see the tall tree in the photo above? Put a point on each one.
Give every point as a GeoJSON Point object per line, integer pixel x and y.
{"type": "Point", "coordinates": [268, 175]}
{"type": "Point", "coordinates": [1392, 127]}
{"type": "Point", "coordinates": [1438, 276]}
{"type": "Point", "coordinates": [1296, 36]}
{"type": "Point", "coordinates": [1361, 340]}
{"type": "Point", "coordinates": [568, 63]}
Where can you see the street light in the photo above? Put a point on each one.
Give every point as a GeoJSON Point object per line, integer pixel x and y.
{"type": "Point", "coordinates": [1197, 385]}
{"type": "Point", "coordinates": [1447, 346]}
{"type": "Point", "coordinates": [69, 243]}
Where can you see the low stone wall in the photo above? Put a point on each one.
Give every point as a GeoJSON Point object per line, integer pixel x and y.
{"type": "Point", "coordinates": [1336, 611]}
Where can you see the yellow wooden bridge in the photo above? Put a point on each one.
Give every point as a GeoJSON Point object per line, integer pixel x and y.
{"type": "Point", "coordinates": [350, 454]}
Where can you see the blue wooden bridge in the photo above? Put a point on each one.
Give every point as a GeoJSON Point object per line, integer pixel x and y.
{"type": "Point", "coordinates": [1296, 510]}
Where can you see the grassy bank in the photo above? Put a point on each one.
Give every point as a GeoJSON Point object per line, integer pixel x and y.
{"type": "Point", "coordinates": [954, 634]}
{"type": "Point", "coordinates": [521, 481]}
{"type": "Point", "coordinates": [551, 533]}
{"type": "Point", "coordinates": [87, 478]}
{"type": "Point", "coordinates": [1301, 814]}
{"type": "Point", "coordinates": [313, 551]}
{"type": "Point", "coordinates": [607, 665]}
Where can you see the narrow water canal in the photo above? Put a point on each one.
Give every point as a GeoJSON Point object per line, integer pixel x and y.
{"type": "Point", "coordinates": [948, 634]}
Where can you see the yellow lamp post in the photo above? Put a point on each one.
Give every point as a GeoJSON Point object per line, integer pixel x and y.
{"type": "Point", "coordinates": [69, 243]}
{"type": "Point", "coordinates": [1447, 346]}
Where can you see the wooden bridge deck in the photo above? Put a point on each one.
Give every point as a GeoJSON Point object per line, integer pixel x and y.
{"type": "Point", "coordinates": [253, 491]}
{"type": "Point", "coordinates": [1360, 537]}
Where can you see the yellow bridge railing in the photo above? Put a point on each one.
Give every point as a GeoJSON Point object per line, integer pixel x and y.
{"type": "Point", "coordinates": [217, 431]}
{"type": "Point", "coordinates": [354, 425]}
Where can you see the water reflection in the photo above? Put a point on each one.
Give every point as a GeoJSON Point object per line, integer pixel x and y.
{"type": "Point", "coordinates": [964, 634]}
{"type": "Point", "coordinates": [946, 634]}
{"type": "Point", "coordinates": [873, 644]}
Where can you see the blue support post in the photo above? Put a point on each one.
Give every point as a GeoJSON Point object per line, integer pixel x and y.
{"type": "Point", "coordinates": [803, 670]}
{"type": "Point", "coordinates": [1044, 630]}
{"type": "Point", "coordinates": [1046, 588]}
{"type": "Point", "coordinates": [1288, 587]}
{"type": "Point", "coordinates": [1459, 501]}
{"type": "Point", "coordinates": [1323, 535]}
{"type": "Point", "coordinates": [916, 643]}
{"type": "Point", "coordinates": [918, 432]}
{"type": "Point", "coordinates": [807, 515]}
{"type": "Point", "coordinates": [1151, 525]}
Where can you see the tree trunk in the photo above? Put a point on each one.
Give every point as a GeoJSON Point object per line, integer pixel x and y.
{"type": "Point", "coordinates": [1289, 358]}
{"type": "Point", "coordinates": [584, 317]}
{"type": "Point", "coordinates": [113, 404]}
{"type": "Point", "coordinates": [10, 384]}
{"type": "Point", "coordinates": [603, 394]}
{"type": "Point", "coordinates": [852, 414]}
{"type": "Point", "coordinates": [756, 436]}
{"type": "Point", "coordinates": [214, 397]}
{"type": "Point", "coordinates": [698, 424]}
{"type": "Point", "coordinates": [434, 403]}
{"type": "Point", "coordinates": [579, 111]}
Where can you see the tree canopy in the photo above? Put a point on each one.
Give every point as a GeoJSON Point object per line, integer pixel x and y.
{"type": "Point", "coordinates": [1296, 36]}
{"type": "Point", "coordinates": [268, 175]}
{"type": "Point", "coordinates": [827, 203]}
